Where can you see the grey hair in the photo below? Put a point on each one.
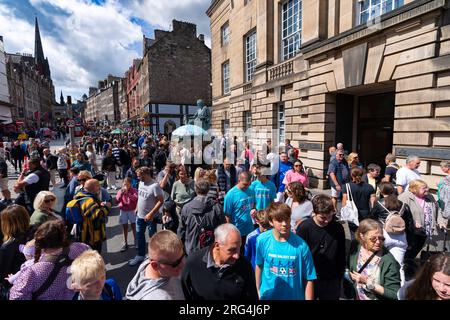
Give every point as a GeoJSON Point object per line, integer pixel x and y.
{"type": "Point", "coordinates": [202, 187]}
{"type": "Point", "coordinates": [221, 233]}
{"type": "Point", "coordinates": [411, 158]}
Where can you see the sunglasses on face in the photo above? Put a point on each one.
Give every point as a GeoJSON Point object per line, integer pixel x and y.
{"type": "Point", "coordinates": [172, 264]}
{"type": "Point", "coordinates": [297, 165]}
{"type": "Point", "coordinates": [49, 200]}
{"type": "Point", "coordinates": [374, 239]}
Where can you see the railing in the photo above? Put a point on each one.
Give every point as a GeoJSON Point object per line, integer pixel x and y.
{"type": "Point", "coordinates": [280, 71]}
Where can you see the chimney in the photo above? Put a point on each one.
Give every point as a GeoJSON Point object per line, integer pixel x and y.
{"type": "Point", "coordinates": [201, 37]}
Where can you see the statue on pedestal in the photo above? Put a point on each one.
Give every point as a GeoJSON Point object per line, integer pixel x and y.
{"type": "Point", "coordinates": [202, 117]}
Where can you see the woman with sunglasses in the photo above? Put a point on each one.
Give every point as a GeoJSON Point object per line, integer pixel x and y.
{"type": "Point", "coordinates": [297, 174]}
{"type": "Point", "coordinates": [44, 209]}
{"type": "Point", "coordinates": [372, 268]}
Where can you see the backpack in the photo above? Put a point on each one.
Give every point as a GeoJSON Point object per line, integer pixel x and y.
{"type": "Point", "coordinates": [395, 166]}
{"type": "Point", "coordinates": [73, 212]}
{"type": "Point", "coordinates": [394, 222]}
{"type": "Point", "coordinates": [205, 236]}
{"type": "Point", "coordinates": [60, 261]}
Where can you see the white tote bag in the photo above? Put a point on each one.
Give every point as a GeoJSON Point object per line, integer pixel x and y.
{"type": "Point", "coordinates": [350, 211]}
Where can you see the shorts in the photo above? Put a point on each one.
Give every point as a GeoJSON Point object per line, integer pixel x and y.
{"type": "Point", "coordinates": [3, 184]}
{"type": "Point", "coordinates": [53, 173]}
{"type": "Point", "coordinates": [127, 216]}
{"type": "Point", "coordinates": [335, 193]}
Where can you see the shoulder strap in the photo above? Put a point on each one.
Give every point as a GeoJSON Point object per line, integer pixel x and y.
{"type": "Point", "coordinates": [61, 261]}
{"type": "Point", "coordinates": [367, 262]}
{"type": "Point", "coordinates": [109, 291]}
{"type": "Point", "coordinates": [384, 207]}
{"type": "Point", "coordinates": [349, 191]}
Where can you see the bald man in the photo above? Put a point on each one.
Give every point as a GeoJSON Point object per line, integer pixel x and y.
{"type": "Point", "coordinates": [93, 228]}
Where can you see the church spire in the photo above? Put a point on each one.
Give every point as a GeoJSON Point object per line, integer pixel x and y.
{"type": "Point", "coordinates": [61, 99]}
{"type": "Point", "coordinates": [39, 59]}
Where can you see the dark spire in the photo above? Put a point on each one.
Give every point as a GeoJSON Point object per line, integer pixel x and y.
{"type": "Point", "coordinates": [61, 99]}
{"type": "Point", "coordinates": [39, 59]}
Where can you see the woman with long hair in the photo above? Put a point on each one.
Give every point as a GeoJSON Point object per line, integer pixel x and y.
{"type": "Point", "coordinates": [15, 228]}
{"type": "Point", "coordinates": [298, 201]}
{"type": "Point", "coordinates": [363, 194]}
{"type": "Point", "coordinates": [432, 281]}
{"type": "Point", "coordinates": [52, 249]}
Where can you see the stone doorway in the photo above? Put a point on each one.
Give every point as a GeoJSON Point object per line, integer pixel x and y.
{"type": "Point", "coordinates": [364, 123]}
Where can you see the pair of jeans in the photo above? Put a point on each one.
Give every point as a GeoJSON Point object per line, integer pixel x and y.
{"type": "Point", "coordinates": [141, 225]}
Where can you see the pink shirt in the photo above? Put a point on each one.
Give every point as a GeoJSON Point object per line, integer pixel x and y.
{"type": "Point", "coordinates": [127, 201]}
{"type": "Point", "coordinates": [293, 176]}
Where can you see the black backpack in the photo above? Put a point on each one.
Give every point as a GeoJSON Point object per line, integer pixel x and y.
{"type": "Point", "coordinates": [205, 236]}
{"type": "Point", "coordinates": [60, 261]}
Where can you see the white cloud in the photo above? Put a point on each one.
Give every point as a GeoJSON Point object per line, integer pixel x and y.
{"type": "Point", "coordinates": [161, 13]}
{"type": "Point", "coordinates": [90, 41]}
{"type": "Point", "coordinates": [85, 47]}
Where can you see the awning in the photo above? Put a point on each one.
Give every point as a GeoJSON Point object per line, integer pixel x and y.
{"type": "Point", "coordinates": [5, 115]}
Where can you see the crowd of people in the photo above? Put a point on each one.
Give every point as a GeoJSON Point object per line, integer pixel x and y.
{"type": "Point", "coordinates": [247, 227]}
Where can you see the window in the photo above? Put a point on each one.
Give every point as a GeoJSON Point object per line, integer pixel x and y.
{"type": "Point", "coordinates": [225, 33]}
{"type": "Point", "coordinates": [247, 122]}
{"type": "Point", "coordinates": [369, 9]}
{"type": "Point", "coordinates": [291, 33]}
{"type": "Point", "coordinates": [226, 77]}
{"type": "Point", "coordinates": [226, 127]}
{"type": "Point", "coordinates": [250, 56]}
{"type": "Point", "coordinates": [281, 124]}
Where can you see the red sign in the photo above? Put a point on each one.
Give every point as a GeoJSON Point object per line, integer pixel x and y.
{"type": "Point", "coordinates": [70, 123]}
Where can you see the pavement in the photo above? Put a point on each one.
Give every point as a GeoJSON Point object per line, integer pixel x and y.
{"type": "Point", "coordinates": [116, 262]}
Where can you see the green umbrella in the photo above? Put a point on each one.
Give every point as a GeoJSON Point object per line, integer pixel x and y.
{"type": "Point", "coordinates": [117, 131]}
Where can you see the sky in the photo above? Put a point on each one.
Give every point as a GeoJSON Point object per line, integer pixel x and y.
{"type": "Point", "coordinates": [85, 40]}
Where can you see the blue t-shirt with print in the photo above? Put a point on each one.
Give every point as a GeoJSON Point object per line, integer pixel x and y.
{"type": "Point", "coordinates": [264, 193]}
{"type": "Point", "coordinates": [237, 206]}
{"type": "Point", "coordinates": [286, 266]}
{"type": "Point", "coordinates": [284, 168]}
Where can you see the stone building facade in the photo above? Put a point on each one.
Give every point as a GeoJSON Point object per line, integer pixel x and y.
{"type": "Point", "coordinates": [174, 73]}
{"type": "Point", "coordinates": [103, 101]}
{"type": "Point", "coordinates": [5, 105]}
{"type": "Point", "coordinates": [376, 78]}
{"type": "Point", "coordinates": [31, 88]}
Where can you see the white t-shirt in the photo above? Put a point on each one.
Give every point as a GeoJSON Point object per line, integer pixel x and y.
{"type": "Point", "coordinates": [274, 162]}
{"type": "Point", "coordinates": [31, 178]}
{"type": "Point", "coordinates": [405, 175]}
{"type": "Point", "coordinates": [302, 211]}
{"type": "Point", "coordinates": [148, 194]}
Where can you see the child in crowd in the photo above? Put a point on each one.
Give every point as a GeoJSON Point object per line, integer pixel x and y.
{"type": "Point", "coordinates": [28, 251]}
{"type": "Point", "coordinates": [88, 278]}
{"type": "Point", "coordinates": [127, 199]}
{"type": "Point", "coordinates": [284, 264]}
{"type": "Point", "coordinates": [250, 244]}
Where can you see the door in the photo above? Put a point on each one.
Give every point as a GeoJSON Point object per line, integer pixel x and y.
{"type": "Point", "coordinates": [375, 127]}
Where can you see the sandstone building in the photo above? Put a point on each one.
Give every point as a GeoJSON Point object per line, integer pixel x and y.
{"type": "Point", "coordinates": [175, 71]}
{"type": "Point", "coordinates": [374, 75]}
{"type": "Point", "coordinates": [31, 89]}
{"type": "Point", "coordinates": [102, 104]}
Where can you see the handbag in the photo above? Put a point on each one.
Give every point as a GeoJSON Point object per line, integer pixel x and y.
{"type": "Point", "coordinates": [348, 285]}
{"type": "Point", "coordinates": [350, 212]}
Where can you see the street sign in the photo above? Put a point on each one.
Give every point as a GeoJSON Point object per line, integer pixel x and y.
{"type": "Point", "coordinates": [70, 123]}
{"type": "Point", "coordinates": [106, 123]}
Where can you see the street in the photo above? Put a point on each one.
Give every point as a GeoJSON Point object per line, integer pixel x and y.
{"type": "Point", "coordinates": [116, 261]}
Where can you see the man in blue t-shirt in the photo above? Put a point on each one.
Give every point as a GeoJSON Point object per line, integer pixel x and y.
{"type": "Point", "coordinates": [263, 190]}
{"type": "Point", "coordinates": [284, 167]}
{"type": "Point", "coordinates": [239, 206]}
{"type": "Point", "coordinates": [284, 264]}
